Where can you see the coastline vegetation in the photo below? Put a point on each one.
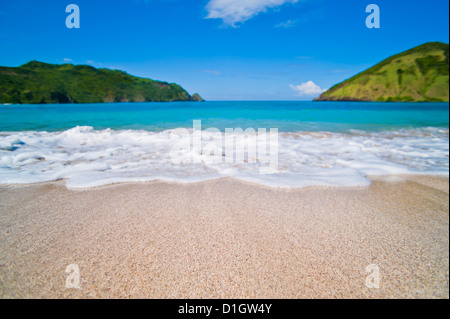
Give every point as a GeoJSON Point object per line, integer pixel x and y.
{"type": "Point", "coordinates": [42, 83]}
{"type": "Point", "coordinates": [417, 75]}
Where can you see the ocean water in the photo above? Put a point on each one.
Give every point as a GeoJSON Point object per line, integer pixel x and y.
{"type": "Point", "coordinates": [318, 144]}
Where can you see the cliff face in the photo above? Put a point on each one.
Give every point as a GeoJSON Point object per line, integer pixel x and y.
{"type": "Point", "coordinates": [38, 83]}
{"type": "Point", "coordinates": [417, 75]}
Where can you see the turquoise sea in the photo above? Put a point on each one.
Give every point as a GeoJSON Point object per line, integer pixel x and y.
{"type": "Point", "coordinates": [286, 116]}
{"type": "Point", "coordinates": [317, 144]}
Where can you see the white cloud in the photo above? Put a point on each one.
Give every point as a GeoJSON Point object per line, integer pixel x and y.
{"type": "Point", "coordinates": [236, 11]}
{"type": "Point", "coordinates": [67, 60]}
{"type": "Point", "coordinates": [287, 24]}
{"type": "Point", "coordinates": [215, 72]}
{"type": "Point", "coordinates": [307, 89]}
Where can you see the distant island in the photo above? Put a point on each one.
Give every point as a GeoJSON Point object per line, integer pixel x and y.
{"type": "Point", "coordinates": [417, 75]}
{"type": "Point", "coordinates": [42, 83]}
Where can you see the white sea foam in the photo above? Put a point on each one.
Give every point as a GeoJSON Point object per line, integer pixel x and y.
{"type": "Point", "coordinates": [88, 158]}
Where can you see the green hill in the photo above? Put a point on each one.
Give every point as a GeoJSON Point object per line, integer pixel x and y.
{"type": "Point", "coordinates": [417, 75]}
{"type": "Point", "coordinates": [38, 83]}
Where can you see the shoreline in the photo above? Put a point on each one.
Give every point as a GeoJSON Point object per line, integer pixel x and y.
{"type": "Point", "coordinates": [226, 239]}
{"type": "Point", "coordinates": [382, 178]}
{"type": "Point", "coordinates": [400, 178]}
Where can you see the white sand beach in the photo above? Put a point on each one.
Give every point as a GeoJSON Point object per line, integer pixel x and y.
{"type": "Point", "coordinates": [226, 239]}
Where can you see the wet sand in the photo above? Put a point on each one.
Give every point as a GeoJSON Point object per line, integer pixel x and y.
{"type": "Point", "coordinates": [226, 239]}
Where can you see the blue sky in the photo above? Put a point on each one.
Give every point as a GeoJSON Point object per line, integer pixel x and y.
{"type": "Point", "coordinates": [222, 49]}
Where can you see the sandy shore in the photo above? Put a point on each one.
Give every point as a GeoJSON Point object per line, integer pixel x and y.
{"type": "Point", "coordinates": [226, 239]}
